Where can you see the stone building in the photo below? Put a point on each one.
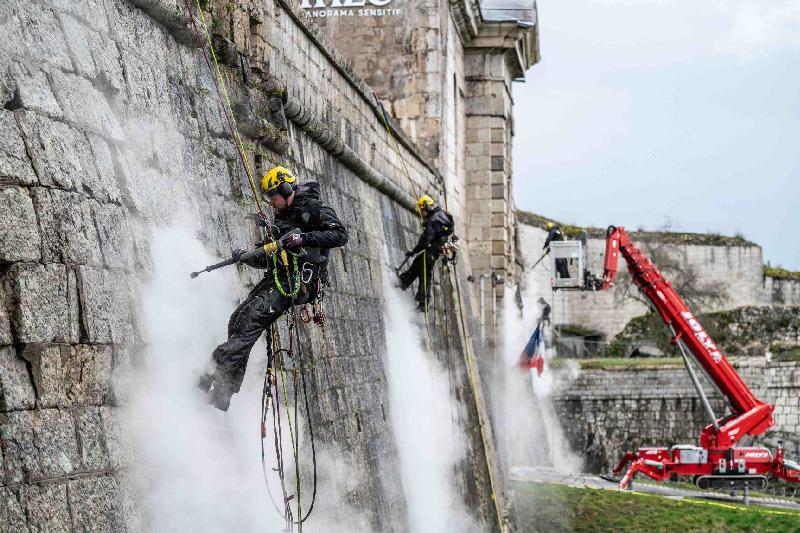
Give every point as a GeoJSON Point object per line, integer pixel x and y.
{"type": "Point", "coordinates": [728, 270]}
{"type": "Point", "coordinates": [445, 71]}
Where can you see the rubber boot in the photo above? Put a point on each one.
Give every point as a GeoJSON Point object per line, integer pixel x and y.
{"type": "Point", "coordinates": [221, 395]}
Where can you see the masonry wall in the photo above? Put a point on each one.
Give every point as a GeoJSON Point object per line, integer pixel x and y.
{"type": "Point", "coordinates": [782, 291]}
{"type": "Point", "coordinates": [111, 125]}
{"type": "Point", "coordinates": [736, 270]}
{"type": "Point", "coordinates": [605, 413]}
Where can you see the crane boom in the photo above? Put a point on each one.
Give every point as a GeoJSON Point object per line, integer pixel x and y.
{"type": "Point", "coordinates": [716, 463]}
{"type": "Point", "coordinates": [749, 415]}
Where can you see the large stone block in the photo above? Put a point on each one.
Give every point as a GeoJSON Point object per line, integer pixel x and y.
{"type": "Point", "coordinates": [61, 155]}
{"type": "Point", "coordinates": [5, 319]}
{"type": "Point", "coordinates": [30, 30]}
{"type": "Point", "coordinates": [91, 12]}
{"type": "Point", "coordinates": [114, 232]}
{"type": "Point", "coordinates": [89, 423]}
{"type": "Point", "coordinates": [56, 442]}
{"type": "Point", "coordinates": [43, 303]}
{"type": "Point", "coordinates": [96, 504]}
{"type": "Point", "coordinates": [48, 373]}
{"type": "Point", "coordinates": [116, 438]}
{"type": "Point", "coordinates": [34, 92]}
{"type": "Point", "coordinates": [148, 87]}
{"type": "Point", "coordinates": [127, 360]}
{"type": "Point", "coordinates": [20, 456]}
{"type": "Point", "coordinates": [47, 507]}
{"type": "Point", "coordinates": [12, 512]}
{"type": "Point", "coordinates": [105, 305]}
{"type": "Point", "coordinates": [87, 375]}
{"type": "Point", "coordinates": [16, 389]}
{"type": "Point", "coordinates": [14, 162]}
{"type": "Point", "coordinates": [77, 37]}
{"type": "Point", "coordinates": [85, 106]}
{"type": "Point", "coordinates": [136, 31]}
{"type": "Point", "coordinates": [19, 232]}
{"type": "Point", "coordinates": [68, 230]}
{"type": "Point", "coordinates": [101, 185]}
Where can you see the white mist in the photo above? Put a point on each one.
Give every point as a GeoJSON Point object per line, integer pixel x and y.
{"type": "Point", "coordinates": [196, 468]}
{"type": "Point", "coordinates": [428, 442]}
{"type": "Point", "coordinates": [531, 433]}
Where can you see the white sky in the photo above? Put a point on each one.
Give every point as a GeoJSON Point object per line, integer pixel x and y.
{"type": "Point", "coordinates": [643, 110]}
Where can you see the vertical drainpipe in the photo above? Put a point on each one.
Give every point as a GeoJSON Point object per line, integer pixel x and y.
{"type": "Point", "coordinates": [482, 277]}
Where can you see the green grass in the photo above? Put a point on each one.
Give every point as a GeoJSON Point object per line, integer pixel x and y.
{"type": "Point", "coordinates": [549, 507]}
{"type": "Point", "coordinates": [670, 237]}
{"type": "Point", "coordinates": [780, 273]}
{"type": "Point", "coordinates": [783, 353]}
{"type": "Point", "coordinates": [620, 363]}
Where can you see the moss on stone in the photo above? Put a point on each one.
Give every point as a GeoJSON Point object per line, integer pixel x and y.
{"type": "Point", "coordinates": [666, 237]}
{"type": "Point", "coordinates": [573, 330]}
{"type": "Point", "coordinates": [745, 330]}
{"type": "Point", "coordinates": [782, 352]}
{"type": "Point", "coordinates": [780, 273]}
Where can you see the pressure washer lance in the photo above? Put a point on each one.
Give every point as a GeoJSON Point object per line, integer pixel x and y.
{"type": "Point", "coordinates": [398, 269]}
{"type": "Point", "coordinates": [540, 259]}
{"type": "Point", "coordinates": [265, 250]}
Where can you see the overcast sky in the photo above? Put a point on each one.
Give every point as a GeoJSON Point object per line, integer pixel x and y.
{"type": "Point", "coordinates": [646, 110]}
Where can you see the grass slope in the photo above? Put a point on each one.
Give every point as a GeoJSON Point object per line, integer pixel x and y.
{"type": "Point", "coordinates": [546, 507]}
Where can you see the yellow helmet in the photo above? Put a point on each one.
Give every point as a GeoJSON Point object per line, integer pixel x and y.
{"type": "Point", "coordinates": [550, 225]}
{"type": "Point", "coordinates": [424, 202]}
{"type": "Point", "coordinates": [279, 180]}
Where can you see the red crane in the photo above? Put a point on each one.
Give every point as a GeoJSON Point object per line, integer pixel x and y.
{"type": "Point", "coordinates": [717, 462]}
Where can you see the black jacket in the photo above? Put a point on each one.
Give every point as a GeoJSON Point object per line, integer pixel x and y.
{"type": "Point", "coordinates": [318, 223]}
{"type": "Point", "coordinates": [436, 227]}
{"type": "Point", "coordinates": [555, 234]}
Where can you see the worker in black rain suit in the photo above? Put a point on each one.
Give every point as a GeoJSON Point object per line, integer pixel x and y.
{"type": "Point", "coordinates": [545, 318]}
{"type": "Point", "coordinates": [437, 227]}
{"type": "Point", "coordinates": [554, 233]}
{"type": "Point", "coordinates": [296, 207]}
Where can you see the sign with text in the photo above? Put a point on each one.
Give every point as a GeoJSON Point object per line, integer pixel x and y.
{"type": "Point", "coordinates": [350, 8]}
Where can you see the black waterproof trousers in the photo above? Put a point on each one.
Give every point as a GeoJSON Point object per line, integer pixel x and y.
{"type": "Point", "coordinates": [262, 307]}
{"type": "Point", "coordinates": [562, 268]}
{"type": "Point", "coordinates": [422, 265]}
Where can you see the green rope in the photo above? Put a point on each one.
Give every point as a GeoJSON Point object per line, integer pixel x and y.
{"type": "Point", "coordinates": [294, 283]}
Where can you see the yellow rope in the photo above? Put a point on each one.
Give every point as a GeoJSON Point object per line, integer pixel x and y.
{"type": "Point", "coordinates": [467, 350]}
{"type": "Point", "coordinates": [471, 372]}
{"type": "Point", "coordinates": [414, 189]}
{"type": "Point", "coordinates": [235, 132]}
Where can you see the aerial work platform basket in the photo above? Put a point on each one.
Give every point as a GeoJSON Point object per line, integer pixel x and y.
{"type": "Point", "coordinates": [567, 265]}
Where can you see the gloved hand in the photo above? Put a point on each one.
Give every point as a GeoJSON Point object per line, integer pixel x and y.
{"type": "Point", "coordinates": [237, 253]}
{"type": "Point", "coordinates": [292, 241]}
{"type": "Point", "coordinates": [410, 253]}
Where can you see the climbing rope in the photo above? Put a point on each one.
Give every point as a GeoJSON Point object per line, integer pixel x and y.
{"type": "Point", "coordinates": [467, 347]}
{"type": "Point", "coordinates": [414, 190]}
{"type": "Point", "coordinates": [275, 379]}
{"type": "Point", "coordinates": [222, 94]}
{"type": "Point", "coordinates": [276, 391]}
{"type": "Point", "coordinates": [295, 281]}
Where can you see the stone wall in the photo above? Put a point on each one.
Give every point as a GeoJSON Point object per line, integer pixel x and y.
{"type": "Point", "coordinates": [445, 70]}
{"type": "Point", "coordinates": [110, 124]}
{"type": "Point", "coordinates": [782, 291]}
{"type": "Point", "coordinates": [605, 413]}
{"type": "Point", "coordinates": [733, 272]}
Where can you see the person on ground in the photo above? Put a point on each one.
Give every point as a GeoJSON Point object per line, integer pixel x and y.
{"type": "Point", "coordinates": [296, 207]}
{"type": "Point", "coordinates": [437, 227]}
{"type": "Point", "coordinates": [545, 317]}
